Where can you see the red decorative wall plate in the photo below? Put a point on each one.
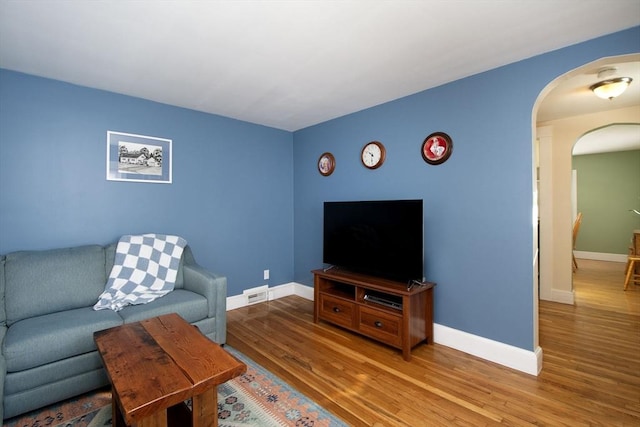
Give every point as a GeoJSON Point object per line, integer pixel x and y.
{"type": "Point", "coordinates": [437, 148]}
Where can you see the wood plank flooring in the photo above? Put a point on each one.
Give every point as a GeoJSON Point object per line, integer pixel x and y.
{"type": "Point", "coordinates": [590, 376]}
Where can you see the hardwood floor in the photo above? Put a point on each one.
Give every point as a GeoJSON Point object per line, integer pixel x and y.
{"type": "Point", "coordinates": [590, 376]}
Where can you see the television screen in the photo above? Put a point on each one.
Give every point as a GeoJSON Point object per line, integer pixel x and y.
{"type": "Point", "coordinates": [382, 238]}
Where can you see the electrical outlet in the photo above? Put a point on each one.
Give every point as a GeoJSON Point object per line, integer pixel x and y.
{"type": "Point", "coordinates": [266, 275]}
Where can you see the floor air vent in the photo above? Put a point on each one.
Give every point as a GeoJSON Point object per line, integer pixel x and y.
{"type": "Point", "coordinates": [256, 295]}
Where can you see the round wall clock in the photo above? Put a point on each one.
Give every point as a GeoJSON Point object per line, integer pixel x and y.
{"type": "Point", "coordinates": [326, 164]}
{"type": "Point", "coordinates": [373, 155]}
{"type": "Point", "coordinates": [437, 148]}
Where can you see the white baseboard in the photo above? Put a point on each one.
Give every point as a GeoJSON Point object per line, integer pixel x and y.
{"type": "Point", "coordinates": [600, 256]}
{"type": "Point", "coordinates": [292, 288]}
{"type": "Point", "coordinates": [563, 297]}
{"type": "Point", "coordinates": [275, 292]}
{"type": "Point", "coordinates": [516, 358]}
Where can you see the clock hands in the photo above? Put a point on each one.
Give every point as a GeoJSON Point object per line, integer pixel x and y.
{"type": "Point", "coordinates": [371, 158]}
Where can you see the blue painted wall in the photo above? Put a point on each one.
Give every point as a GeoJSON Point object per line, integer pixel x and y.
{"type": "Point", "coordinates": [245, 196]}
{"type": "Point", "coordinates": [231, 196]}
{"type": "Point", "coordinates": [478, 205]}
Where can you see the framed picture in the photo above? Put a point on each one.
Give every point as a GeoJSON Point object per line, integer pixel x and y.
{"type": "Point", "coordinates": [138, 158]}
{"type": "Point", "coordinates": [437, 148]}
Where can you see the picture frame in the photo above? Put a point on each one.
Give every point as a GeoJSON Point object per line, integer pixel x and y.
{"type": "Point", "coordinates": [436, 148]}
{"type": "Point", "coordinates": [139, 158]}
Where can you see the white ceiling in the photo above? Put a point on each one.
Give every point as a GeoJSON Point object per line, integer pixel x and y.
{"type": "Point", "coordinates": [290, 64]}
{"type": "Point", "coordinates": [571, 96]}
{"type": "Point", "coordinates": [615, 137]}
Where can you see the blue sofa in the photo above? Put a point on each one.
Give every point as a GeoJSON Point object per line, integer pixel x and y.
{"type": "Point", "coordinates": [47, 320]}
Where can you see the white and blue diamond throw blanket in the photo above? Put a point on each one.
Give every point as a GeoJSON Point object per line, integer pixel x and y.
{"type": "Point", "coordinates": [145, 268]}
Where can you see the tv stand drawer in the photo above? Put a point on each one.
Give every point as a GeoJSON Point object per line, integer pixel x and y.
{"type": "Point", "coordinates": [380, 325]}
{"type": "Point", "coordinates": [337, 311]}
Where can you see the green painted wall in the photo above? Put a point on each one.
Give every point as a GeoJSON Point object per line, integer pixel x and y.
{"type": "Point", "coordinates": [608, 187]}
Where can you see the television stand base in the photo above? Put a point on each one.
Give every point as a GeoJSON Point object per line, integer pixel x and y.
{"type": "Point", "coordinates": [381, 309]}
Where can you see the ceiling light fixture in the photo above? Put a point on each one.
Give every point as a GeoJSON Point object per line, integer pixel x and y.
{"type": "Point", "coordinates": [610, 88]}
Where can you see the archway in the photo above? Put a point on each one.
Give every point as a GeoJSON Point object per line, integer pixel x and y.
{"type": "Point", "coordinates": [552, 146]}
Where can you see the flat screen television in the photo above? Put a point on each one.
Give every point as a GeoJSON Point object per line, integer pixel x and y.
{"type": "Point", "coordinates": [381, 238]}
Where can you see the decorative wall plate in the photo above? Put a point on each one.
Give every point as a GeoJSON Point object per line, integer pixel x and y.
{"type": "Point", "coordinates": [326, 164]}
{"type": "Point", "coordinates": [437, 148]}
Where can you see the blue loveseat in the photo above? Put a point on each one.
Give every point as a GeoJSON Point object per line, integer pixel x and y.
{"type": "Point", "coordinates": [47, 320]}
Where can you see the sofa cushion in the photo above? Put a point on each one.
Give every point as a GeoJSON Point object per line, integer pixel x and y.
{"type": "Point", "coordinates": [191, 306]}
{"type": "Point", "coordinates": [17, 382]}
{"type": "Point", "coordinates": [45, 339]}
{"type": "Point", "coordinates": [42, 282]}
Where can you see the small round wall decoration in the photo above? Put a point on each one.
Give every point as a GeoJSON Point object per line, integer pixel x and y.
{"type": "Point", "coordinates": [437, 148]}
{"type": "Point", "coordinates": [326, 164]}
{"type": "Point", "coordinates": [373, 154]}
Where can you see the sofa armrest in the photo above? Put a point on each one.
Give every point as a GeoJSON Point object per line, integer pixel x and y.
{"type": "Point", "coordinates": [214, 288]}
{"type": "Point", "coordinates": [3, 370]}
{"type": "Point", "coordinates": [211, 286]}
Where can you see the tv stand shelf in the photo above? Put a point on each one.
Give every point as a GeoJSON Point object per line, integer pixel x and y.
{"type": "Point", "coordinates": [384, 310]}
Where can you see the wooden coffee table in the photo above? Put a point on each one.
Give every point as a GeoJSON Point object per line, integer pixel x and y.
{"type": "Point", "coordinates": [156, 364]}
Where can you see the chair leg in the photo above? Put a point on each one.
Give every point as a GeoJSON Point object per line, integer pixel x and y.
{"type": "Point", "coordinates": [631, 266]}
{"type": "Point", "coordinates": [575, 263]}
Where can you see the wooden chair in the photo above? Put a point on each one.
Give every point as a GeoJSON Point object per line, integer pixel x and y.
{"type": "Point", "coordinates": [632, 259]}
{"type": "Point", "coordinates": [576, 228]}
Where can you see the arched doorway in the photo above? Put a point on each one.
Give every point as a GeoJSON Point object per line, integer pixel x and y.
{"type": "Point", "coordinates": [554, 136]}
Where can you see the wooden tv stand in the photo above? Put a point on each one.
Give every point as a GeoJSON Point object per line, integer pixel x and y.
{"type": "Point", "coordinates": [381, 309]}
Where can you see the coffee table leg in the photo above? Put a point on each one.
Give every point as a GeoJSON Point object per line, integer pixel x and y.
{"type": "Point", "coordinates": [158, 419]}
{"type": "Point", "coordinates": [205, 409]}
{"type": "Point", "coordinates": [116, 417]}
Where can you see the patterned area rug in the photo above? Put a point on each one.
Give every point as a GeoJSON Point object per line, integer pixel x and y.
{"type": "Point", "coordinates": [257, 398]}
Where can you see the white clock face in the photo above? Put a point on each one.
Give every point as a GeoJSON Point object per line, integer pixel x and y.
{"type": "Point", "coordinates": [371, 155]}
